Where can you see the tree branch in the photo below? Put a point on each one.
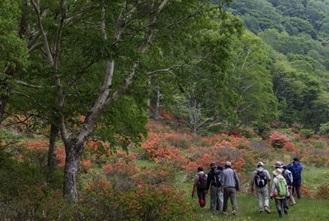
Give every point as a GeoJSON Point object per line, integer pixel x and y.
{"type": "Point", "coordinates": [36, 6]}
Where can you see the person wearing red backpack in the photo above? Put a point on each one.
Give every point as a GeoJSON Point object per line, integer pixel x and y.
{"type": "Point", "coordinates": [200, 185]}
{"type": "Point", "coordinates": [260, 179]}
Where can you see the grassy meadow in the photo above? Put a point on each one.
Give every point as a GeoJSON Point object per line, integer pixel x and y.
{"type": "Point", "coordinates": [307, 209]}
{"type": "Point", "coordinates": [153, 182]}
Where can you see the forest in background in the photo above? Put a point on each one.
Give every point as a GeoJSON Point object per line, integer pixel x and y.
{"type": "Point", "coordinates": [81, 73]}
{"type": "Point", "coordinates": [298, 33]}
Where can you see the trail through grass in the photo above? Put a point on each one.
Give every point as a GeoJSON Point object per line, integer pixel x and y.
{"type": "Point", "coordinates": [305, 210]}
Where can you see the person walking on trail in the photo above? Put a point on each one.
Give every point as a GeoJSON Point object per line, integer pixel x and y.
{"type": "Point", "coordinates": [279, 191]}
{"type": "Point", "coordinates": [260, 180]}
{"type": "Point", "coordinates": [220, 195]}
{"type": "Point", "coordinates": [230, 185]}
{"type": "Point", "coordinates": [200, 185]}
{"type": "Point", "coordinates": [289, 179]}
{"type": "Point", "coordinates": [213, 183]}
{"type": "Point", "coordinates": [296, 169]}
{"type": "Point", "coordinates": [278, 165]}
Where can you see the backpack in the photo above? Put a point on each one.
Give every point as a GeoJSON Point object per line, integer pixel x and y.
{"type": "Point", "coordinates": [260, 178]}
{"type": "Point", "coordinates": [281, 187]}
{"type": "Point", "coordinates": [285, 174]}
{"type": "Point", "coordinates": [202, 181]}
{"type": "Point", "coordinates": [216, 178]}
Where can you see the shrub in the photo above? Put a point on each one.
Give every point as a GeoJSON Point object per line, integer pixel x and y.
{"type": "Point", "coordinates": [323, 191]}
{"type": "Point", "coordinates": [306, 133]}
{"type": "Point", "coordinates": [307, 192]}
{"type": "Point", "coordinates": [324, 129]}
{"type": "Point", "coordinates": [319, 144]}
{"type": "Point", "coordinates": [145, 201]}
{"type": "Point", "coordinates": [26, 193]}
{"type": "Point", "coordinates": [278, 140]}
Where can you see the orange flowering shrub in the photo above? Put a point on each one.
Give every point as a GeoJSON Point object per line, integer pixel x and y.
{"type": "Point", "coordinates": [278, 140]}
{"type": "Point", "coordinates": [126, 196]}
{"type": "Point", "coordinates": [85, 165]}
{"type": "Point", "coordinates": [306, 191]}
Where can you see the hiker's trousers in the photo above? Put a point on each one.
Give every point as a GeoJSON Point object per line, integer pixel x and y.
{"type": "Point", "coordinates": [262, 198]}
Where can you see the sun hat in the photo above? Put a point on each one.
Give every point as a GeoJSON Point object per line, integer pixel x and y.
{"type": "Point", "coordinates": [278, 164]}
{"type": "Point", "coordinates": [277, 171]}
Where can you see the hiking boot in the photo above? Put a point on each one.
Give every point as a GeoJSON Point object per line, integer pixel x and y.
{"type": "Point", "coordinates": [267, 209]}
{"type": "Point", "coordinates": [280, 213]}
{"type": "Point", "coordinates": [285, 209]}
{"type": "Point", "coordinates": [225, 213]}
{"type": "Point", "coordinates": [234, 213]}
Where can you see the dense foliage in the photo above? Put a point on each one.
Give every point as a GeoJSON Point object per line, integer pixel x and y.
{"type": "Point", "coordinates": [89, 76]}
{"type": "Point", "coordinates": [297, 31]}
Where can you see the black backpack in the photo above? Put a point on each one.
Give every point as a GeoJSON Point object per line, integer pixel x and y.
{"type": "Point", "coordinates": [260, 178]}
{"type": "Point", "coordinates": [202, 181]}
{"type": "Point", "coordinates": [216, 178]}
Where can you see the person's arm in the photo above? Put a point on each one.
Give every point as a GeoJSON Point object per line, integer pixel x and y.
{"type": "Point", "coordinates": [209, 178]}
{"type": "Point", "coordinates": [194, 184]}
{"type": "Point", "coordinates": [273, 189]}
{"type": "Point", "coordinates": [252, 181]}
{"type": "Point", "coordinates": [193, 190]}
{"type": "Point", "coordinates": [237, 180]}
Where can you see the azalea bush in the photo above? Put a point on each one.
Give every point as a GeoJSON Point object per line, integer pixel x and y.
{"type": "Point", "coordinates": [150, 196]}
{"type": "Point", "coordinates": [278, 140]}
{"type": "Point", "coordinates": [26, 192]}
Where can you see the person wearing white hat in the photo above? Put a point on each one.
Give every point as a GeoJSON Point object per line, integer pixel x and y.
{"type": "Point", "coordinates": [279, 191]}
{"type": "Point", "coordinates": [260, 179]}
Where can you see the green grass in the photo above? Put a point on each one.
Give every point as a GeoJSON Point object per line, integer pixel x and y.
{"type": "Point", "coordinates": [305, 210]}
{"type": "Point", "coordinates": [313, 177]}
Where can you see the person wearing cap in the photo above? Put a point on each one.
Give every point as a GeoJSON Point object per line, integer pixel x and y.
{"type": "Point", "coordinates": [262, 191]}
{"type": "Point", "coordinates": [213, 186]}
{"type": "Point", "coordinates": [280, 201]}
{"type": "Point", "coordinates": [200, 192]}
{"type": "Point", "coordinates": [230, 185]}
{"type": "Point", "coordinates": [296, 169]}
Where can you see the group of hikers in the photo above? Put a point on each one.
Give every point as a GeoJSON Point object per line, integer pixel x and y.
{"type": "Point", "coordinates": [222, 183]}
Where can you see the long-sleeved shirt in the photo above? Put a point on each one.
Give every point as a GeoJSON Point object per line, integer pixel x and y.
{"type": "Point", "coordinates": [210, 178]}
{"type": "Point", "coordinates": [274, 187]}
{"type": "Point", "coordinates": [296, 169]}
{"type": "Point", "coordinates": [228, 178]}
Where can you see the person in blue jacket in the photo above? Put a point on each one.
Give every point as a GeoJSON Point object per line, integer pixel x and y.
{"type": "Point", "coordinates": [296, 169]}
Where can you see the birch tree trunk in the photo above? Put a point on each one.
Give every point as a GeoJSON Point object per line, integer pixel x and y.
{"type": "Point", "coordinates": [72, 160]}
